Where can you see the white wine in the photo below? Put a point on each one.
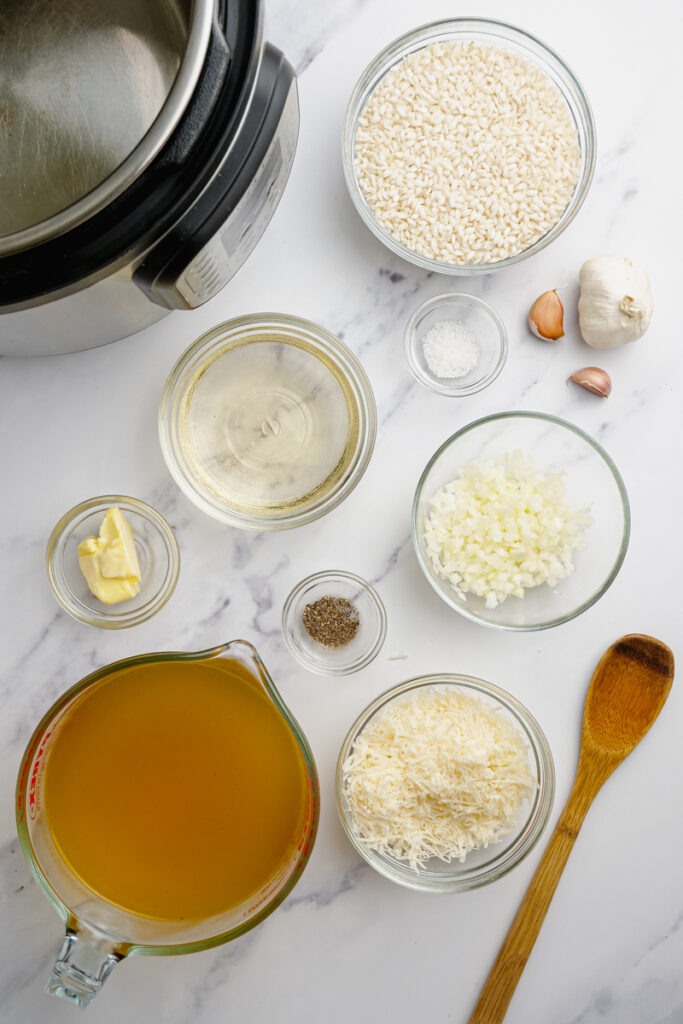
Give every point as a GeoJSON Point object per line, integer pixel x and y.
{"type": "Point", "coordinates": [269, 424]}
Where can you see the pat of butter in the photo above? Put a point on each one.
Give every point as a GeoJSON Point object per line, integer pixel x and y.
{"type": "Point", "coordinates": [118, 557]}
{"type": "Point", "coordinates": [110, 562]}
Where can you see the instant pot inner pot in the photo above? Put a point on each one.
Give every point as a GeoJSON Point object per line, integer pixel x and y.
{"type": "Point", "coordinates": [81, 84]}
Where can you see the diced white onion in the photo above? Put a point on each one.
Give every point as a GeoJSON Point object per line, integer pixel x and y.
{"type": "Point", "coordinates": [502, 527]}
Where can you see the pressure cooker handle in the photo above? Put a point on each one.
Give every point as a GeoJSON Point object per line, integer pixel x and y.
{"type": "Point", "coordinates": [203, 250]}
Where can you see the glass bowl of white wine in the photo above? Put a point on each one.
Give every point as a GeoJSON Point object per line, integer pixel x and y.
{"type": "Point", "coordinates": [267, 422]}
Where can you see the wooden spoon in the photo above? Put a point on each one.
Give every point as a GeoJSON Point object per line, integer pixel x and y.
{"type": "Point", "coordinates": [627, 692]}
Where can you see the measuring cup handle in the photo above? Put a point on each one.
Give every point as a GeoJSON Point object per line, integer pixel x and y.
{"type": "Point", "coordinates": [83, 965]}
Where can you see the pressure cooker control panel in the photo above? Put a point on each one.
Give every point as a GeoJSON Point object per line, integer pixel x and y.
{"type": "Point", "coordinates": [225, 253]}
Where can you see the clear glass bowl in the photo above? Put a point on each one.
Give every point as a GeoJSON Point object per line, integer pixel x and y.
{"type": "Point", "coordinates": [493, 33]}
{"type": "Point", "coordinates": [322, 346]}
{"type": "Point", "coordinates": [359, 652]}
{"type": "Point", "coordinates": [590, 477]}
{"type": "Point", "coordinates": [487, 327]}
{"type": "Point", "coordinates": [158, 555]}
{"type": "Point", "coordinates": [480, 866]}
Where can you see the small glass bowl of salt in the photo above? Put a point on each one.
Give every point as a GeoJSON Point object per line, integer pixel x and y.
{"type": "Point", "coordinates": [455, 344]}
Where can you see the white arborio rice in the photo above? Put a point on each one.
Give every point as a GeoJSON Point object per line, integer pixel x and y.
{"type": "Point", "coordinates": [466, 153]}
{"type": "Point", "coordinates": [502, 527]}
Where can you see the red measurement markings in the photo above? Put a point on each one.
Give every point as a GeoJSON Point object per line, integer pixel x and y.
{"type": "Point", "coordinates": [31, 755]}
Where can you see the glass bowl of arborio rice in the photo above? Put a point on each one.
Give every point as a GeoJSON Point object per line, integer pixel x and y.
{"type": "Point", "coordinates": [468, 146]}
{"type": "Point", "coordinates": [520, 521]}
{"type": "Point", "coordinates": [445, 783]}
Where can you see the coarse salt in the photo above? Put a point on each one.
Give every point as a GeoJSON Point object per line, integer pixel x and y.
{"type": "Point", "coordinates": [450, 349]}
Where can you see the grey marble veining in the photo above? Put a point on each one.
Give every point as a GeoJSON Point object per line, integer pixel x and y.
{"type": "Point", "coordinates": [347, 943]}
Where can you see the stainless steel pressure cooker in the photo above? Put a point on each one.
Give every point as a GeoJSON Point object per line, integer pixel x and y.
{"type": "Point", "coordinates": [144, 145]}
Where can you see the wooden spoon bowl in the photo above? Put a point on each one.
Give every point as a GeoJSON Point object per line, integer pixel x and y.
{"type": "Point", "coordinates": [627, 692]}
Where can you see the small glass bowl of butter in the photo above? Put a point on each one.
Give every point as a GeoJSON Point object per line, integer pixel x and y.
{"type": "Point", "coordinates": [157, 553]}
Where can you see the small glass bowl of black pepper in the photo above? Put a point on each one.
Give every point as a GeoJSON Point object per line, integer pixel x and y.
{"type": "Point", "coordinates": [334, 623]}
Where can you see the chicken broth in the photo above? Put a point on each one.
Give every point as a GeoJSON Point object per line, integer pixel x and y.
{"type": "Point", "coordinates": [176, 790]}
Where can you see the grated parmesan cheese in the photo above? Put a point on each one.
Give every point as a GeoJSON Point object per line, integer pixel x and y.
{"type": "Point", "coordinates": [436, 773]}
{"type": "Point", "coordinates": [502, 527]}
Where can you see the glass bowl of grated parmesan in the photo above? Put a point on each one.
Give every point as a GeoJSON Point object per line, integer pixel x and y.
{"type": "Point", "coordinates": [445, 783]}
{"type": "Point", "coordinates": [521, 521]}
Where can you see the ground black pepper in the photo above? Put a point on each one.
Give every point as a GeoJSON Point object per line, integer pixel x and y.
{"type": "Point", "coordinates": [331, 621]}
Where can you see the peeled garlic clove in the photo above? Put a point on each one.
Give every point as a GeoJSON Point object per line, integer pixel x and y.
{"type": "Point", "coordinates": [546, 317]}
{"type": "Point", "coordinates": [592, 378]}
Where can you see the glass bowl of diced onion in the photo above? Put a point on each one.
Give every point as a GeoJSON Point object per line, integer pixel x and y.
{"type": "Point", "coordinates": [482, 865]}
{"type": "Point", "coordinates": [471, 549]}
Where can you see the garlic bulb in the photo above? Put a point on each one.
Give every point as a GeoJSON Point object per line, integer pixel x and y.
{"type": "Point", "coordinates": [615, 305]}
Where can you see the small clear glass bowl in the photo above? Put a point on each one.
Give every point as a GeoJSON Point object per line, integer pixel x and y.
{"type": "Point", "coordinates": [282, 329]}
{"type": "Point", "coordinates": [484, 323]}
{"type": "Point", "coordinates": [359, 652]}
{"type": "Point", "coordinates": [157, 551]}
{"type": "Point", "coordinates": [590, 478]}
{"type": "Point", "coordinates": [496, 33]}
{"type": "Point", "coordinates": [480, 866]}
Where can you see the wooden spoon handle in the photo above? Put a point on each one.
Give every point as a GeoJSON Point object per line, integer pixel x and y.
{"type": "Point", "coordinates": [513, 954]}
{"type": "Point", "coordinates": [627, 692]}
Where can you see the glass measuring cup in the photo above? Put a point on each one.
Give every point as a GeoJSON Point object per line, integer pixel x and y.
{"type": "Point", "coordinates": [99, 934]}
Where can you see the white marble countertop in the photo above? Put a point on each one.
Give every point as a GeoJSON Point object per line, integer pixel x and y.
{"type": "Point", "coordinates": [348, 945]}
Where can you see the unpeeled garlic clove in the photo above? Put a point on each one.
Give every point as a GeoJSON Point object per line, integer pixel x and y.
{"type": "Point", "coordinates": [592, 378]}
{"type": "Point", "coordinates": [546, 317]}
